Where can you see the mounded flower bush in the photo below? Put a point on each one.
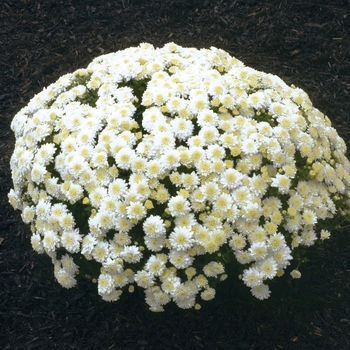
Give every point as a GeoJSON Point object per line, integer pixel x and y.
{"type": "Point", "coordinates": [159, 168]}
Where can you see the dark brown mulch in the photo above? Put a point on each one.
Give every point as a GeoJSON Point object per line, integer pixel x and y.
{"type": "Point", "coordinates": [305, 42]}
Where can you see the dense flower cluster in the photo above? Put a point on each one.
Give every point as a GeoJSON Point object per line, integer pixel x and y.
{"type": "Point", "coordinates": [160, 166]}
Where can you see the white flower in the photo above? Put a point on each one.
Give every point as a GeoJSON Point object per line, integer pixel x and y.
{"type": "Point", "coordinates": [71, 240]}
{"type": "Point", "coordinates": [154, 226]}
{"type": "Point", "coordinates": [180, 258]}
{"type": "Point", "coordinates": [231, 178]}
{"type": "Point", "coordinates": [155, 265]}
{"type": "Point", "coordinates": [268, 268]}
{"type": "Point", "coordinates": [252, 277]}
{"type": "Point", "coordinates": [261, 291]}
{"type": "Point", "coordinates": [50, 241]}
{"type": "Point", "coordinates": [181, 238]}
{"type": "Point", "coordinates": [144, 279]}
{"type": "Point", "coordinates": [131, 254]}
{"type": "Point", "coordinates": [258, 250]}
{"type": "Point", "coordinates": [100, 251]}
{"type": "Point", "coordinates": [181, 128]}
{"type": "Point", "coordinates": [36, 242]}
{"type": "Point", "coordinates": [65, 278]}
{"type": "Point", "coordinates": [105, 284]}
{"type": "Point", "coordinates": [213, 269]}
{"type": "Point", "coordinates": [208, 294]}
{"type": "Point", "coordinates": [136, 210]}
{"type": "Point", "coordinates": [178, 206]}
{"type": "Point", "coordinates": [38, 172]}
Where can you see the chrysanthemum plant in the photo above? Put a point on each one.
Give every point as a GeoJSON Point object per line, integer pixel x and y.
{"type": "Point", "coordinates": [161, 167]}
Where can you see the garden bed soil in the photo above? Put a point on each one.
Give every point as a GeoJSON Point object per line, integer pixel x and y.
{"type": "Point", "coordinates": [305, 42]}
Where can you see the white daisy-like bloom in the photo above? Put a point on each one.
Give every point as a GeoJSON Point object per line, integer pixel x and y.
{"type": "Point", "coordinates": [136, 210]}
{"type": "Point", "coordinates": [117, 188]}
{"type": "Point", "coordinates": [45, 153]}
{"type": "Point", "coordinates": [105, 284]}
{"type": "Point", "coordinates": [68, 264]}
{"type": "Point", "coordinates": [180, 258]}
{"type": "Point", "coordinates": [100, 250]}
{"type": "Point", "coordinates": [144, 279]}
{"type": "Point", "coordinates": [213, 269]}
{"type": "Point", "coordinates": [182, 128]}
{"type": "Point", "coordinates": [124, 158]}
{"type": "Point", "coordinates": [261, 291]}
{"type": "Point", "coordinates": [282, 182]}
{"type": "Point", "coordinates": [231, 178]}
{"type": "Point", "coordinates": [51, 241]}
{"type": "Point", "coordinates": [155, 244]}
{"type": "Point", "coordinates": [181, 238]}
{"type": "Point", "coordinates": [71, 240]}
{"type": "Point", "coordinates": [268, 268]}
{"type": "Point", "coordinates": [208, 294]}
{"type": "Point", "coordinates": [155, 265]}
{"type": "Point", "coordinates": [258, 250]}
{"type": "Point", "coordinates": [154, 226]}
{"type": "Point", "coordinates": [131, 254]}
{"type": "Point", "coordinates": [64, 278]}
{"type": "Point", "coordinates": [252, 277]}
{"type": "Point", "coordinates": [38, 172]}
{"type": "Point", "coordinates": [36, 241]}
{"type": "Point", "coordinates": [178, 206]}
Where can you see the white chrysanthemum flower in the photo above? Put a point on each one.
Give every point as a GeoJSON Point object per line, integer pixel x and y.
{"type": "Point", "coordinates": [213, 269]}
{"type": "Point", "coordinates": [117, 188]}
{"type": "Point", "coordinates": [124, 158]}
{"type": "Point", "coordinates": [43, 209]}
{"type": "Point", "coordinates": [155, 265]}
{"type": "Point", "coordinates": [277, 241]}
{"type": "Point", "coordinates": [181, 238]}
{"type": "Point", "coordinates": [282, 182]}
{"type": "Point", "coordinates": [252, 277]}
{"type": "Point", "coordinates": [38, 173]}
{"type": "Point", "coordinates": [45, 153]}
{"type": "Point", "coordinates": [237, 242]}
{"type": "Point", "coordinates": [36, 242]}
{"type": "Point", "coordinates": [190, 180]}
{"type": "Point", "coordinates": [268, 268]}
{"type": "Point", "coordinates": [67, 221]}
{"type": "Point", "coordinates": [51, 241]}
{"type": "Point", "coordinates": [68, 264]}
{"type": "Point", "coordinates": [144, 279]}
{"type": "Point", "coordinates": [136, 210]}
{"type": "Point", "coordinates": [71, 241]}
{"type": "Point", "coordinates": [105, 284]}
{"type": "Point", "coordinates": [154, 226]}
{"type": "Point", "coordinates": [181, 128]}
{"type": "Point", "coordinates": [261, 291]}
{"type": "Point", "coordinates": [100, 251]}
{"type": "Point", "coordinates": [131, 254]}
{"type": "Point", "coordinates": [258, 250]}
{"type": "Point", "coordinates": [208, 294]}
{"type": "Point", "coordinates": [64, 278]}
{"type": "Point", "coordinates": [155, 244]}
{"type": "Point", "coordinates": [180, 258]}
{"type": "Point", "coordinates": [231, 178]}
{"type": "Point", "coordinates": [97, 196]}
{"type": "Point", "coordinates": [178, 206]}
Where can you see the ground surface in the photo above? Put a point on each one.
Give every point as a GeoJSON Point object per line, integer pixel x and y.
{"type": "Point", "coordinates": [305, 42]}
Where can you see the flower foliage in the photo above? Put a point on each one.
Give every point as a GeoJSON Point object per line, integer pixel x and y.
{"type": "Point", "coordinates": [159, 168]}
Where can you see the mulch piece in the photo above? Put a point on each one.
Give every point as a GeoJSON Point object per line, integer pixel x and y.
{"type": "Point", "coordinates": [305, 42]}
